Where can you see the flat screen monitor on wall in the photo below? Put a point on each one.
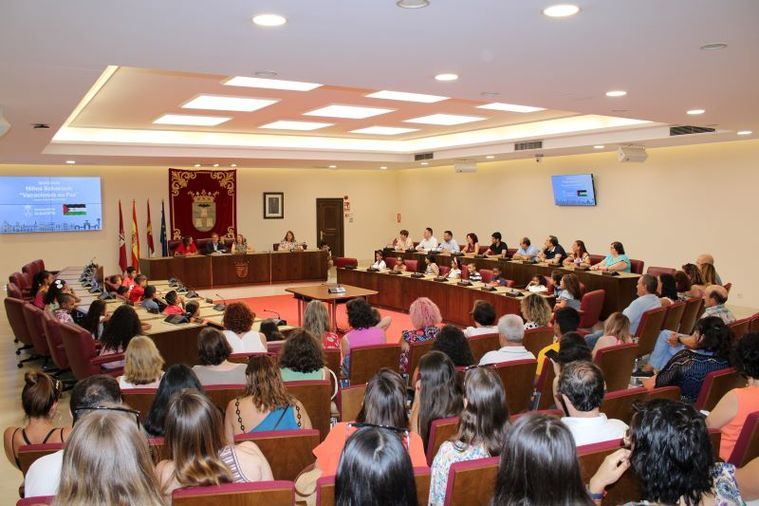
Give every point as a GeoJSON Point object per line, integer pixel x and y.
{"type": "Point", "coordinates": [573, 190]}
{"type": "Point", "coordinates": [30, 204]}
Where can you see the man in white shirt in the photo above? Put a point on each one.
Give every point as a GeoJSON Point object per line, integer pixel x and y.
{"type": "Point", "coordinates": [44, 474]}
{"type": "Point", "coordinates": [511, 333]}
{"type": "Point", "coordinates": [483, 314]}
{"type": "Point", "coordinates": [449, 244]}
{"type": "Point", "coordinates": [428, 242]}
{"type": "Point", "coordinates": [581, 391]}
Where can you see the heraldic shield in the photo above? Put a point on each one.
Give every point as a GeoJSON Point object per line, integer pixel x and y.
{"type": "Point", "coordinates": [204, 210]}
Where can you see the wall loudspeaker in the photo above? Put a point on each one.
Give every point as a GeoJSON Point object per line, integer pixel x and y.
{"type": "Point", "coordinates": [634, 154]}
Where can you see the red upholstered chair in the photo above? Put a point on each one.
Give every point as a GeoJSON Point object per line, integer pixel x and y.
{"type": "Point", "coordinates": [487, 275]}
{"type": "Point", "coordinates": [52, 329]}
{"type": "Point", "coordinates": [591, 305]}
{"type": "Point", "coordinates": [33, 317]}
{"type": "Point", "coordinates": [552, 412]}
{"type": "Point", "coordinates": [325, 488]}
{"type": "Point", "coordinates": [518, 379]}
{"type": "Point", "coordinates": [83, 356]}
{"type": "Point", "coordinates": [416, 352]}
{"type": "Point", "coordinates": [29, 269]}
{"type": "Point", "coordinates": [482, 344]}
{"type": "Point", "coordinates": [411, 265]}
{"type": "Point", "coordinates": [32, 501]}
{"type": "Point", "coordinates": [740, 327]}
{"type": "Point", "coordinates": [619, 404]}
{"type": "Point", "coordinates": [173, 245]}
{"type": "Point", "coordinates": [544, 387]}
{"type": "Point", "coordinates": [482, 250]}
{"type": "Point", "coordinates": [14, 310]}
{"type": "Point", "coordinates": [275, 246]}
{"type": "Point", "coordinates": [237, 494]}
{"type": "Point", "coordinates": [287, 451]}
{"type": "Point", "coordinates": [537, 339]}
{"type": "Point", "coordinates": [596, 259]}
{"type": "Point", "coordinates": [444, 269]}
{"type": "Point", "coordinates": [671, 393]}
{"type": "Point", "coordinates": [365, 361]}
{"type": "Point", "coordinates": [12, 290]}
{"type": "Point", "coordinates": [441, 430]}
{"type": "Point", "coordinates": [140, 399]}
{"type": "Point", "coordinates": [617, 363]}
{"type": "Point", "coordinates": [316, 397]}
{"type": "Point", "coordinates": [391, 261]}
{"type": "Point", "coordinates": [674, 315]}
{"type": "Point", "coordinates": [636, 266]}
{"type": "Point", "coordinates": [624, 490]}
{"type": "Point", "coordinates": [464, 272]}
{"type": "Point", "coordinates": [648, 329]}
{"type": "Point", "coordinates": [472, 482]}
{"type": "Point", "coordinates": [332, 360]}
{"type": "Point", "coordinates": [22, 281]}
{"type": "Point", "coordinates": [716, 384]}
{"type": "Point", "coordinates": [693, 309]}
{"type": "Point", "coordinates": [510, 252]}
{"type": "Point", "coordinates": [351, 399]}
{"type": "Point", "coordinates": [550, 288]}
{"type": "Point", "coordinates": [655, 271]}
{"type": "Point", "coordinates": [754, 326]}
{"type": "Point", "coordinates": [28, 454]}
{"type": "Point", "coordinates": [342, 262]}
{"type": "Point", "coordinates": [747, 446]}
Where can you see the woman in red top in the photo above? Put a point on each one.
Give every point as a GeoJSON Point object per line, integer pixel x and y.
{"type": "Point", "coordinates": [187, 247]}
{"type": "Point", "coordinates": [173, 304]}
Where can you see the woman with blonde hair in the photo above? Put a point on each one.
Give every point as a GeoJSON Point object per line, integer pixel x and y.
{"type": "Point", "coordinates": [536, 311]}
{"type": "Point", "coordinates": [199, 455]}
{"type": "Point", "coordinates": [708, 274]}
{"type": "Point", "coordinates": [267, 405]}
{"type": "Point", "coordinates": [616, 331]}
{"type": "Point", "coordinates": [425, 317]}
{"type": "Point", "coordinates": [143, 364]}
{"type": "Point", "coordinates": [316, 321]}
{"type": "Point", "coordinates": [107, 461]}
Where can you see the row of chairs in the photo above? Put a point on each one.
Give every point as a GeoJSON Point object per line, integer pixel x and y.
{"type": "Point", "coordinates": [20, 283]}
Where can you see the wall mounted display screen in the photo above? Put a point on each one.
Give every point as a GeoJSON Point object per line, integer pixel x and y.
{"type": "Point", "coordinates": [31, 204]}
{"type": "Point", "coordinates": [573, 190]}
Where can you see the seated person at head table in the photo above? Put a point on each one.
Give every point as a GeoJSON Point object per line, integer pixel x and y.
{"type": "Point", "coordinates": [214, 246]}
{"type": "Point", "coordinates": [498, 279]}
{"type": "Point", "coordinates": [570, 292]}
{"type": "Point", "coordinates": [288, 243]}
{"type": "Point", "coordinates": [138, 290]}
{"type": "Point", "coordinates": [149, 300]}
{"type": "Point", "coordinates": [128, 280]}
{"type": "Point", "coordinates": [403, 242]}
{"type": "Point", "coordinates": [455, 271]}
{"type": "Point", "coordinates": [537, 284]}
{"type": "Point", "coordinates": [472, 244]}
{"type": "Point", "coordinates": [553, 252]}
{"type": "Point", "coordinates": [428, 242]}
{"type": "Point", "coordinates": [432, 267]}
{"type": "Point", "coordinates": [449, 244]}
{"type": "Point", "coordinates": [173, 303]}
{"type": "Point", "coordinates": [497, 246]}
{"type": "Point", "coordinates": [616, 260]}
{"type": "Point", "coordinates": [379, 261]}
{"type": "Point", "coordinates": [579, 254]}
{"type": "Point", "coordinates": [187, 247]}
{"type": "Point", "coordinates": [400, 265]}
{"type": "Point", "coordinates": [241, 245]}
{"type": "Point", "coordinates": [474, 274]}
{"type": "Point", "coordinates": [526, 250]}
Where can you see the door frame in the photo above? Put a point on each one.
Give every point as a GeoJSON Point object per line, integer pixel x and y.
{"type": "Point", "coordinates": [341, 242]}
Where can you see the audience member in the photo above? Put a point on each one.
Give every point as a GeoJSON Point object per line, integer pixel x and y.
{"type": "Point", "coordinates": [706, 259]}
{"type": "Point", "coordinates": [192, 312]}
{"type": "Point", "coordinates": [449, 244]}
{"type": "Point", "coordinates": [266, 405]}
{"type": "Point", "coordinates": [316, 321]}
{"type": "Point", "coordinates": [302, 358]}
{"type": "Point", "coordinates": [138, 290]}
{"type": "Point", "coordinates": [569, 295]}
{"type": "Point", "coordinates": [143, 364]}
{"type": "Point", "coordinates": [579, 254]}
{"type": "Point", "coordinates": [472, 243]}
{"type": "Point", "coordinates": [498, 279]}
{"type": "Point", "coordinates": [455, 270]}
{"type": "Point", "coordinates": [270, 330]}
{"type": "Point", "coordinates": [484, 316]}
{"type": "Point", "coordinates": [616, 332]}
{"type": "Point", "coordinates": [425, 318]}
{"type": "Point", "coordinates": [452, 341]}
{"type": "Point", "coordinates": [537, 284]}
{"type": "Point", "coordinates": [683, 285]}
{"type": "Point", "coordinates": [647, 299]}
{"type": "Point", "coordinates": [572, 348]}
{"type": "Point", "coordinates": [526, 250]}
{"type": "Point", "coordinates": [696, 280]}
{"type": "Point", "coordinates": [122, 326]}
{"type": "Point", "coordinates": [238, 322]}
{"type": "Point", "coordinates": [379, 261]}
{"type": "Point", "coordinates": [177, 377]}
{"type": "Point", "coordinates": [536, 311]}
{"type": "Point", "coordinates": [432, 268]}
{"type": "Point", "coordinates": [708, 274]}
{"type": "Point", "coordinates": [149, 300]}
{"type": "Point", "coordinates": [553, 252]}
{"type": "Point", "coordinates": [480, 432]}
{"type": "Point", "coordinates": [66, 304]}
{"type": "Point", "coordinates": [667, 288]}
{"type": "Point", "coordinates": [400, 265]}
{"type": "Point", "coordinates": [429, 241]}
{"type": "Point", "coordinates": [364, 330]}
{"type": "Point", "coordinates": [497, 246]}
{"type": "Point", "coordinates": [214, 368]}
{"type": "Point", "coordinates": [616, 260]}
{"type": "Point", "coordinates": [129, 277]}
{"type": "Point", "coordinates": [403, 242]}
{"type": "Point", "coordinates": [40, 284]}
{"type": "Point", "coordinates": [472, 273]}
{"type": "Point", "coordinates": [173, 303]}
{"type": "Point", "coordinates": [565, 320]}
{"type": "Point", "coordinates": [510, 333]}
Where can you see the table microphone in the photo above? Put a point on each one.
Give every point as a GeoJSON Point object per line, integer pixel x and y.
{"type": "Point", "coordinates": [222, 306]}
{"type": "Point", "coordinates": [279, 321]}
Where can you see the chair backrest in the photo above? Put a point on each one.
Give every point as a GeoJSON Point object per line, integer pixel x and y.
{"type": "Point", "coordinates": [417, 351]}
{"type": "Point", "coordinates": [671, 393]}
{"type": "Point", "coordinates": [29, 269]}
{"type": "Point", "coordinates": [656, 271]}
{"type": "Point", "coordinates": [80, 349]}
{"type": "Point", "coordinates": [444, 269]}
{"type": "Point", "coordinates": [673, 317]}
{"type": "Point", "coordinates": [740, 327]}
{"type": "Point", "coordinates": [22, 280]}
{"type": "Point", "coordinates": [140, 399]}
{"type": "Point", "coordinates": [716, 384]}
{"type": "Point", "coordinates": [27, 454]}
{"type": "Point", "coordinates": [747, 446]}
{"type": "Point", "coordinates": [472, 482]}
{"type": "Point", "coordinates": [482, 344]}
{"type": "Point", "coordinates": [411, 265]}
{"type": "Point", "coordinates": [482, 249]}
{"type": "Point", "coordinates": [487, 275]}
{"type": "Point", "coordinates": [591, 305]}
{"type": "Point", "coordinates": [316, 397]}
{"type": "Point", "coordinates": [12, 290]}
{"type": "Point", "coordinates": [33, 501]}
{"type": "Point", "coordinates": [275, 246]}
{"type": "Point", "coordinates": [14, 310]}
{"type": "Point", "coordinates": [754, 326]}
{"type": "Point", "coordinates": [693, 308]}
{"type": "Point", "coordinates": [325, 488]}
{"type": "Point", "coordinates": [441, 430]}
{"type": "Point", "coordinates": [52, 328]}
{"type": "Point", "coordinates": [596, 259]}
{"type": "Point", "coordinates": [390, 262]}
{"type": "Point", "coordinates": [33, 316]}
{"type": "Point", "coordinates": [351, 401]}
{"type": "Point", "coordinates": [288, 452]}
{"type": "Point", "coordinates": [518, 379]}
{"type": "Point", "coordinates": [536, 339]}
{"type": "Point", "coordinates": [365, 361]}
{"type": "Point", "coordinates": [636, 266]}
{"type": "Point", "coordinates": [619, 404]}
{"type": "Point", "coordinates": [510, 252]}
{"type": "Point", "coordinates": [624, 490]}
{"type": "Point", "coordinates": [544, 386]}
{"type": "Point", "coordinates": [648, 329]}
{"type": "Point", "coordinates": [617, 364]}
{"type": "Point", "coordinates": [237, 494]}
{"type": "Point", "coordinates": [341, 262]}
{"type": "Point", "coordinates": [332, 360]}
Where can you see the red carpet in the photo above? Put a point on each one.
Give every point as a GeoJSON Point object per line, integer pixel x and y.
{"type": "Point", "coordinates": [287, 307]}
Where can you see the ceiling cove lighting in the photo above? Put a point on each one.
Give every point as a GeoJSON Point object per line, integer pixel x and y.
{"type": "Point", "coordinates": [446, 77]}
{"type": "Point", "coordinates": [269, 20]}
{"type": "Point", "coordinates": [696, 112]}
{"type": "Point", "coordinates": [225, 103]}
{"type": "Point", "coordinates": [444, 119]}
{"type": "Point", "coordinates": [616, 93]}
{"type": "Point", "coordinates": [412, 4]}
{"type": "Point", "coordinates": [270, 84]}
{"type": "Point", "coordinates": [599, 146]}
{"type": "Point", "coordinates": [561, 10]}
{"type": "Point", "coordinates": [347, 112]}
{"type": "Point", "coordinates": [233, 165]}
{"type": "Point", "coordinates": [425, 163]}
{"type": "Point", "coordinates": [490, 157]}
{"type": "Point", "coordinates": [403, 96]}
{"type": "Point", "coordinates": [500, 106]}
{"type": "Point", "coordinates": [713, 47]}
{"type": "Point", "coordinates": [197, 165]}
{"type": "Point", "coordinates": [383, 167]}
{"type": "Point", "coordinates": [382, 130]}
{"type": "Point", "coordinates": [332, 167]}
{"type": "Point", "coordinates": [70, 162]}
{"type": "Point", "coordinates": [744, 132]}
{"type": "Point", "coordinates": [296, 125]}
{"type": "Point", "coordinates": [190, 120]}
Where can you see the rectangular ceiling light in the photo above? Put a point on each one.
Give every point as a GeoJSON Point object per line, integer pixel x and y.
{"type": "Point", "coordinates": [403, 96]}
{"type": "Point", "coordinates": [382, 130]}
{"type": "Point", "coordinates": [444, 119]}
{"type": "Point", "coordinates": [500, 106]}
{"type": "Point", "coordinates": [270, 84]}
{"type": "Point", "coordinates": [296, 125]}
{"type": "Point", "coordinates": [348, 111]}
{"type": "Point", "coordinates": [225, 103]}
{"type": "Point", "coordinates": [190, 120]}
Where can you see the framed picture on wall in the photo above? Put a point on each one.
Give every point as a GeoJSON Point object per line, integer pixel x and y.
{"type": "Point", "coordinates": [274, 205]}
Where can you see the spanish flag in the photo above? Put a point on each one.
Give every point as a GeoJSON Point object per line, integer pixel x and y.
{"type": "Point", "coordinates": [151, 244]}
{"type": "Point", "coordinates": [135, 238]}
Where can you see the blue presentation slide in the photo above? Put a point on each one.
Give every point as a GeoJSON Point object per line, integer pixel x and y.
{"type": "Point", "coordinates": [573, 190]}
{"type": "Point", "coordinates": [50, 204]}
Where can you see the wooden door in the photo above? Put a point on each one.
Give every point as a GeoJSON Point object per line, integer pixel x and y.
{"type": "Point", "coordinates": [329, 225]}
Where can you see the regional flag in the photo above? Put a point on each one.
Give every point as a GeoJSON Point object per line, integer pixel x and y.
{"type": "Point", "coordinates": [135, 238]}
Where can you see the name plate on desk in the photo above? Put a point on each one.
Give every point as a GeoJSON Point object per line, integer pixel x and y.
{"type": "Point", "coordinates": [336, 289]}
{"type": "Point", "coordinates": [488, 289]}
{"type": "Point", "coordinates": [464, 283]}
{"type": "Point", "coordinates": [513, 293]}
{"type": "Point", "coordinates": [480, 256]}
{"type": "Point", "coordinates": [417, 275]}
{"type": "Point", "coordinates": [441, 279]}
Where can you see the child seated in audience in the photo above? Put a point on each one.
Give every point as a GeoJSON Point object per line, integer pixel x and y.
{"type": "Point", "coordinates": [537, 284]}
{"type": "Point", "coordinates": [497, 279]}
{"type": "Point", "coordinates": [269, 329]}
{"type": "Point", "coordinates": [173, 304]}
{"type": "Point", "coordinates": [570, 292]}
{"type": "Point", "coordinates": [474, 274]}
{"type": "Point", "coordinates": [455, 271]}
{"type": "Point", "coordinates": [379, 261]}
{"type": "Point", "coordinates": [116, 280]}
{"type": "Point", "coordinates": [95, 318]}
{"type": "Point", "coordinates": [149, 301]}
{"type": "Point", "coordinates": [122, 293]}
{"type": "Point", "coordinates": [556, 276]}
{"type": "Point", "coordinates": [129, 280]}
{"type": "Point", "coordinates": [432, 267]}
{"type": "Point", "coordinates": [192, 311]}
{"type": "Point", "coordinates": [616, 331]}
{"type": "Point", "coordinates": [66, 304]}
{"type": "Point", "coordinates": [137, 291]}
{"type": "Point", "coordinates": [400, 265]}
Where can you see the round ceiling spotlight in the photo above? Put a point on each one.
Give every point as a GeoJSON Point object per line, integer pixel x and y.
{"type": "Point", "coordinates": [412, 4]}
{"type": "Point", "coordinates": [446, 77]}
{"type": "Point", "coordinates": [197, 165]}
{"type": "Point", "coordinates": [616, 93]}
{"type": "Point", "coordinates": [695, 112]}
{"type": "Point", "coordinates": [561, 10]}
{"type": "Point", "coordinates": [383, 167]}
{"type": "Point", "coordinates": [713, 47]}
{"type": "Point", "coordinates": [269, 20]}
{"type": "Point", "coordinates": [71, 162]}
{"type": "Point", "coordinates": [744, 132]}
{"type": "Point", "coordinates": [599, 146]}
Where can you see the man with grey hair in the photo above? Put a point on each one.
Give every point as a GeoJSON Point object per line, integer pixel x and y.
{"type": "Point", "coordinates": [510, 334]}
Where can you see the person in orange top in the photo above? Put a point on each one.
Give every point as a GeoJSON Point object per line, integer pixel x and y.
{"type": "Point", "coordinates": [730, 413]}
{"type": "Point", "coordinates": [173, 304]}
{"type": "Point", "coordinates": [384, 405]}
{"type": "Point", "coordinates": [128, 280]}
{"type": "Point", "coordinates": [138, 290]}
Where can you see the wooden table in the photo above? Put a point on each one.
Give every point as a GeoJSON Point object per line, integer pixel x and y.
{"type": "Point", "coordinates": [305, 294]}
{"type": "Point", "coordinates": [208, 271]}
{"type": "Point", "coordinates": [397, 292]}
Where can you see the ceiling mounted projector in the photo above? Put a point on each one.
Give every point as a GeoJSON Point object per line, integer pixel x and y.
{"type": "Point", "coordinates": [4, 125]}
{"type": "Point", "coordinates": [633, 154]}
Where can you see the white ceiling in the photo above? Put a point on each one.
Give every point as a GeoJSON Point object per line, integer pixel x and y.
{"type": "Point", "coordinates": [52, 52]}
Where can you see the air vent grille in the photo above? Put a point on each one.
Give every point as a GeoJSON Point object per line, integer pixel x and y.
{"type": "Point", "coordinates": [688, 129]}
{"type": "Point", "coordinates": [524, 146]}
{"type": "Point", "coordinates": [423, 156]}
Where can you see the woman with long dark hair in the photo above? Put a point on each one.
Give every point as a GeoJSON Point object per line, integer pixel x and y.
{"type": "Point", "coordinates": [40, 284]}
{"type": "Point", "coordinates": [452, 341]}
{"type": "Point", "coordinates": [438, 393]}
{"type": "Point", "coordinates": [667, 289]}
{"type": "Point", "coordinates": [95, 318]}
{"type": "Point", "coordinates": [123, 325]}
{"type": "Point", "coordinates": [177, 377]}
